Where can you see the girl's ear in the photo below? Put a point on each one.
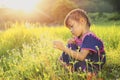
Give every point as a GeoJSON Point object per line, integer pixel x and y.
{"type": "Point", "coordinates": [82, 20]}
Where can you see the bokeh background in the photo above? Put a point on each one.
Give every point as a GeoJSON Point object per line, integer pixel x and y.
{"type": "Point", "coordinates": [53, 12]}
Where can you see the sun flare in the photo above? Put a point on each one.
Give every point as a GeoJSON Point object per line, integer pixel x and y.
{"type": "Point", "coordinates": [24, 5]}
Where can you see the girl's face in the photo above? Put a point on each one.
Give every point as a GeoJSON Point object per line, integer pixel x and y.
{"type": "Point", "coordinates": [76, 28]}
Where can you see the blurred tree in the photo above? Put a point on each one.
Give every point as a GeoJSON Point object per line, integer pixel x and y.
{"type": "Point", "coordinates": [116, 4]}
{"type": "Point", "coordinates": [94, 5]}
{"type": "Point", "coordinates": [61, 9]}
{"type": "Point", "coordinates": [43, 12]}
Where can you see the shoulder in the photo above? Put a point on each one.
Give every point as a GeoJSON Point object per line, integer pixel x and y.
{"type": "Point", "coordinates": [91, 37]}
{"type": "Point", "coordinates": [90, 41]}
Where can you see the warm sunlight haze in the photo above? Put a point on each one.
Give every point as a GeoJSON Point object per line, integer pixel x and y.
{"type": "Point", "coordinates": [24, 5]}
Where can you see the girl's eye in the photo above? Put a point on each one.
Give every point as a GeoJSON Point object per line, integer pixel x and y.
{"type": "Point", "coordinates": [71, 26]}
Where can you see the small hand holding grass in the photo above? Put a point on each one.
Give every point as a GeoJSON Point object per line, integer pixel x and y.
{"type": "Point", "coordinates": [59, 45]}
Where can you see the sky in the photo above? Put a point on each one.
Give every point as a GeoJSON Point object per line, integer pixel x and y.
{"type": "Point", "coordinates": [5, 3]}
{"type": "Point", "coordinates": [25, 5]}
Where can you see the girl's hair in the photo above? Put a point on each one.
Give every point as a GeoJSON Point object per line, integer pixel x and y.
{"type": "Point", "coordinates": [76, 14]}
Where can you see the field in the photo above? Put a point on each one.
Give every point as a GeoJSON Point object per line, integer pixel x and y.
{"type": "Point", "coordinates": [27, 53]}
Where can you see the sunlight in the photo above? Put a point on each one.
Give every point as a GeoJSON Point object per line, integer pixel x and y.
{"type": "Point", "coordinates": [24, 5]}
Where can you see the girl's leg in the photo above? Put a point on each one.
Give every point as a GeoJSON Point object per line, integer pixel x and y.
{"type": "Point", "coordinates": [65, 57]}
{"type": "Point", "coordinates": [80, 65]}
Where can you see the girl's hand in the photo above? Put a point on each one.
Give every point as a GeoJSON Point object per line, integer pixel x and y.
{"type": "Point", "coordinates": [59, 45]}
{"type": "Point", "coordinates": [71, 40]}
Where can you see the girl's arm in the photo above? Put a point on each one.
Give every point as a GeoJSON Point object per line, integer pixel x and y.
{"type": "Point", "coordinates": [77, 55]}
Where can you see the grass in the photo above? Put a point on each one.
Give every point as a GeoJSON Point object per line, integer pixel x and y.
{"type": "Point", "coordinates": [28, 53]}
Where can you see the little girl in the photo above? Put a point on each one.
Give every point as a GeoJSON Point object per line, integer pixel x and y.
{"type": "Point", "coordinates": [91, 48]}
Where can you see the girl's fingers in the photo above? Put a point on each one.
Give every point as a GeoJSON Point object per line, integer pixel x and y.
{"type": "Point", "coordinates": [55, 44]}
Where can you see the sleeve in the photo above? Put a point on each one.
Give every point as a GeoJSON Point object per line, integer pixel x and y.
{"type": "Point", "coordinates": [90, 43]}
